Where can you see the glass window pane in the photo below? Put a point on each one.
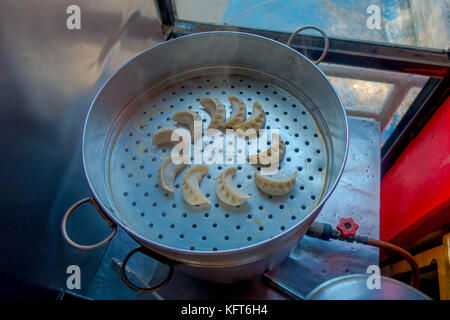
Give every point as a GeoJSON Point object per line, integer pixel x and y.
{"type": "Point", "coordinates": [404, 22]}
{"type": "Point", "coordinates": [381, 95]}
{"type": "Point", "coordinates": [406, 103]}
{"type": "Point", "coordinates": [361, 94]}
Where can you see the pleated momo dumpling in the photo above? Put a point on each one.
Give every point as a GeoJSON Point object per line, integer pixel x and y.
{"type": "Point", "coordinates": [276, 151]}
{"type": "Point", "coordinates": [255, 121]}
{"type": "Point", "coordinates": [164, 135]}
{"type": "Point", "coordinates": [227, 192]}
{"type": "Point", "coordinates": [238, 111]}
{"type": "Point", "coordinates": [192, 120]}
{"type": "Point", "coordinates": [190, 187]}
{"type": "Point", "coordinates": [216, 110]}
{"type": "Point", "coordinates": [276, 186]}
{"type": "Point", "coordinates": [168, 170]}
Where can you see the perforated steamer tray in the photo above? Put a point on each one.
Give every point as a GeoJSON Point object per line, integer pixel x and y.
{"type": "Point", "coordinates": [165, 218]}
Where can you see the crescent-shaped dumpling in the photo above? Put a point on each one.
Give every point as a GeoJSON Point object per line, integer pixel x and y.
{"type": "Point", "coordinates": [238, 112]}
{"type": "Point", "coordinates": [227, 192]}
{"type": "Point", "coordinates": [190, 119]}
{"type": "Point", "coordinates": [164, 135]}
{"type": "Point", "coordinates": [256, 121]}
{"type": "Point", "coordinates": [216, 110]}
{"type": "Point", "coordinates": [190, 187]}
{"type": "Point", "coordinates": [264, 158]}
{"type": "Point", "coordinates": [169, 170]}
{"type": "Point", "coordinates": [276, 186]}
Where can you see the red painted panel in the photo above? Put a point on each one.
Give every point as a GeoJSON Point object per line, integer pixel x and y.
{"type": "Point", "coordinates": [419, 182]}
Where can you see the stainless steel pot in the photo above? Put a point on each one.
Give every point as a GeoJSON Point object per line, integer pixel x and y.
{"type": "Point", "coordinates": [220, 244]}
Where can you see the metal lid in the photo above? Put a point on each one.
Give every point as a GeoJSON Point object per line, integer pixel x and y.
{"type": "Point", "coordinates": [355, 287]}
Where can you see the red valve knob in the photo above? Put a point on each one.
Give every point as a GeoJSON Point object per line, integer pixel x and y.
{"type": "Point", "coordinates": [347, 227]}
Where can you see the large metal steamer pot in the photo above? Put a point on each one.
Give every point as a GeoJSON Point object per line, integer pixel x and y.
{"type": "Point", "coordinates": [193, 57]}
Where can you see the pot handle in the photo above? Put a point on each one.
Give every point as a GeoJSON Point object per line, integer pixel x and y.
{"type": "Point", "coordinates": [325, 38]}
{"type": "Point", "coordinates": [152, 255]}
{"type": "Point", "coordinates": [92, 246]}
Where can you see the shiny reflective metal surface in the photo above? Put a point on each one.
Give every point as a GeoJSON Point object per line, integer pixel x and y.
{"type": "Point", "coordinates": [355, 287]}
{"type": "Point", "coordinates": [283, 67]}
{"type": "Point", "coordinates": [48, 78]}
